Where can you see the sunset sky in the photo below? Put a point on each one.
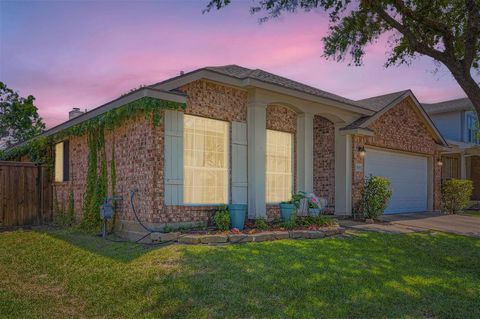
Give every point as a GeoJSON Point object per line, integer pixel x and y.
{"type": "Point", "coordinates": [82, 54]}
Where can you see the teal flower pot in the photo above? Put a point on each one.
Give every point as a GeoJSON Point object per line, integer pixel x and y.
{"type": "Point", "coordinates": [286, 210]}
{"type": "Point", "coordinates": [238, 213]}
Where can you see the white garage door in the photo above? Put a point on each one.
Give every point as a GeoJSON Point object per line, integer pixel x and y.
{"type": "Point", "coordinates": [408, 177]}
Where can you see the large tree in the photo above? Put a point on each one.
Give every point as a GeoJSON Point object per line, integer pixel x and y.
{"type": "Point", "coordinates": [19, 119]}
{"type": "Point", "coordinates": [446, 30]}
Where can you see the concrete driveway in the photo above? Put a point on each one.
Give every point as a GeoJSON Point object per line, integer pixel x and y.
{"type": "Point", "coordinates": [456, 224]}
{"type": "Point", "coordinates": [415, 222]}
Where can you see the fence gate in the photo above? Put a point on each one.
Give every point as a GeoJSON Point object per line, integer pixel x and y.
{"type": "Point", "coordinates": [25, 194]}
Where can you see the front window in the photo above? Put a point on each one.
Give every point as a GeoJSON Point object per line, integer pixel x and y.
{"type": "Point", "coordinates": [472, 129]}
{"type": "Point", "coordinates": [279, 177]}
{"type": "Point", "coordinates": [205, 161]}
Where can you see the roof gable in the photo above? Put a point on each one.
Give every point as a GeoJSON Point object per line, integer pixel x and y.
{"type": "Point", "coordinates": [395, 99]}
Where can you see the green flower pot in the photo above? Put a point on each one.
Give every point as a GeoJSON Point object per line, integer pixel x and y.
{"type": "Point", "coordinates": [238, 213]}
{"type": "Point", "coordinates": [286, 210]}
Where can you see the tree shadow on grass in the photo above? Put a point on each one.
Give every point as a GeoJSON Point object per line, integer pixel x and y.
{"type": "Point", "coordinates": [374, 276]}
{"type": "Point", "coordinates": [113, 247]}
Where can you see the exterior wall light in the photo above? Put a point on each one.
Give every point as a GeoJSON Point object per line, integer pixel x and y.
{"type": "Point", "coordinates": [361, 150]}
{"type": "Point", "coordinates": [439, 162]}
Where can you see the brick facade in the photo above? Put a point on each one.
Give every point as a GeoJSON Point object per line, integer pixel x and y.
{"type": "Point", "coordinates": [139, 157]}
{"type": "Point", "coordinates": [413, 136]}
{"type": "Point", "coordinates": [139, 153]}
{"type": "Point", "coordinates": [324, 160]}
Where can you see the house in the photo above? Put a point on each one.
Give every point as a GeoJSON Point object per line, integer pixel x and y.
{"type": "Point", "coordinates": [249, 136]}
{"type": "Point", "coordinates": [457, 121]}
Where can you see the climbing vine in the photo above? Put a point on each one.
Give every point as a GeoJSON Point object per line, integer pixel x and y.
{"type": "Point", "coordinates": [113, 182]}
{"type": "Point", "coordinates": [39, 150]}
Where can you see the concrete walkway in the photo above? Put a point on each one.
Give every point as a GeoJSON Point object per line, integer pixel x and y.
{"type": "Point", "coordinates": [408, 223]}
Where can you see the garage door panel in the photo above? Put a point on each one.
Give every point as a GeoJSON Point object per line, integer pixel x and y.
{"type": "Point", "coordinates": [408, 177]}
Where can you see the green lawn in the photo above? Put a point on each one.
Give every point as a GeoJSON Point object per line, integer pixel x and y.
{"type": "Point", "coordinates": [66, 275]}
{"type": "Point", "coordinates": [472, 213]}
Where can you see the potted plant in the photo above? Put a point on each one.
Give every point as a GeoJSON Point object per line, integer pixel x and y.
{"type": "Point", "coordinates": [287, 208]}
{"type": "Point", "coordinates": [313, 209]}
{"type": "Point", "coordinates": [238, 213]}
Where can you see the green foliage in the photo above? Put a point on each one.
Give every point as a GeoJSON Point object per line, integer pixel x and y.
{"type": "Point", "coordinates": [71, 207]}
{"type": "Point", "coordinates": [113, 184]}
{"type": "Point", "coordinates": [37, 148]}
{"type": "Point", "coordinates": [375, 196]}
{"type": "Point", "coordinates": [291, 222]}
{"type": "Point", "coordinates": [319, 221]}
{"type": "Point", "coordinates": [222, 218]}
{"type": "Point", "coordinates": [261, 224]}
{"type": "Point", "coordinates": [91, 219]}
{"type": "Point", "coordinates": [456, 194]}
{"type": "Point", "coordinates": [19, 119]}
{"type": "Point", "coordinates": [447, 31]}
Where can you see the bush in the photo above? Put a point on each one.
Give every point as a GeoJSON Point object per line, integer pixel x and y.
{"type": "Point", "coordinates": [456, 194]}
{"type": "Point", "coordinates": [261, 224]}
{"type": "Point", "coordinates": [291, 222]}
{"type": "Point", "coordinates": [319, 221]}
{"type": "Point", "coordinates": [222, 218]}
{"type": "Point", "coordinates": [375, 196]}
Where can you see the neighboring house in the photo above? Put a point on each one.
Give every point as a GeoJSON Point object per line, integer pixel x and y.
{"type": "Point", "coordinates": [249, 136]}
{"type": "Point", "coordinates": [457, 121]}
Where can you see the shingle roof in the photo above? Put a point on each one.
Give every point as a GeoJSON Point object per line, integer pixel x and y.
{"type": "Point", "coordinates": [264, 76]}
{"type": "Point", "coordinates": [456, 105]}
{"type": "Point", "coordinates": [377, 103]}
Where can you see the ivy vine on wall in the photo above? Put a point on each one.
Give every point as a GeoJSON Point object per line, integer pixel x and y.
{"type": "Point", "coordinates": [39, 150]}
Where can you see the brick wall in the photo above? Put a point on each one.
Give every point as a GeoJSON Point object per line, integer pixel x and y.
{"type": "Point", "coordinates": [324, 160]}
{"type": "Point", "coordinates": [139, 157]}
{"type": "Point", "coordinates": [281, 118]}
{"type": "Point", "coordinates": [412, 136]}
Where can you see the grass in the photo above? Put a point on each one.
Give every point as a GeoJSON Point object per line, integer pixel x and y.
{"type": "Point", "coordinates": [472, 213]}
{"type": "Point", "coordinates": [61, 274]}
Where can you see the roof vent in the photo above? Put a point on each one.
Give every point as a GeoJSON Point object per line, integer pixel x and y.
{"type": "Point", "coordinates": [74, 113]}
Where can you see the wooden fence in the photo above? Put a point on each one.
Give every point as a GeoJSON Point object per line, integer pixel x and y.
{"type": "Point", "coordinates": [25, 194]}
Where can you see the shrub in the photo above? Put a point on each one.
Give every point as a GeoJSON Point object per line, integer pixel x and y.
{"type": "Point", "coordinates": [291, 222]}
{"type": "Point", "coordinates": [319, 221]}
{"type": "Point", "coordinates": [261, 224]}
{"type": "Point", "coordinates": [456, 194]}
{"type": "Point", "coordinates": [375, 196]}
{"type": "Point", "coordinates": [222, 218]}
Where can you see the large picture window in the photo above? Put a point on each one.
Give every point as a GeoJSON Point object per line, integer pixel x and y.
{"type": "Point", "coordinates": [279, 177]}
{"type": "Point", "coordinates": [205, 161]}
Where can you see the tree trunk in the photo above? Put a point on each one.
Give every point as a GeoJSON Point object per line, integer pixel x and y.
{"type": "Point", "coordinates": [469, 86]}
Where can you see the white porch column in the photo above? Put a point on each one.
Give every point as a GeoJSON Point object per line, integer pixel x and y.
{"type": "Point", "coordinates": [463, 166]}
{"type": "Point", "coordinates": [305, 152]}
{"type": "Point", "coordinates": [343, 173]}
{"type": "Point", "coordinates": [257, 140]}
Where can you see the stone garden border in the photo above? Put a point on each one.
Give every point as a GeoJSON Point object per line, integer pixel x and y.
{"type": "Point", "coordinates": [198, 239]}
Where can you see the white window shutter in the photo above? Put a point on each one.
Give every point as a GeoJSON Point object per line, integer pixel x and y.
{"type": "Point", "coordinates": [173, 157]}
{"type": "Point", "coordinates": [239, 163]}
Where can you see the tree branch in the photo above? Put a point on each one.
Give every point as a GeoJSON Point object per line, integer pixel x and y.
{"type": "Point", "coordinates": [412, 39]}
{"type": "Point", "coordinates": [472, 33]}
